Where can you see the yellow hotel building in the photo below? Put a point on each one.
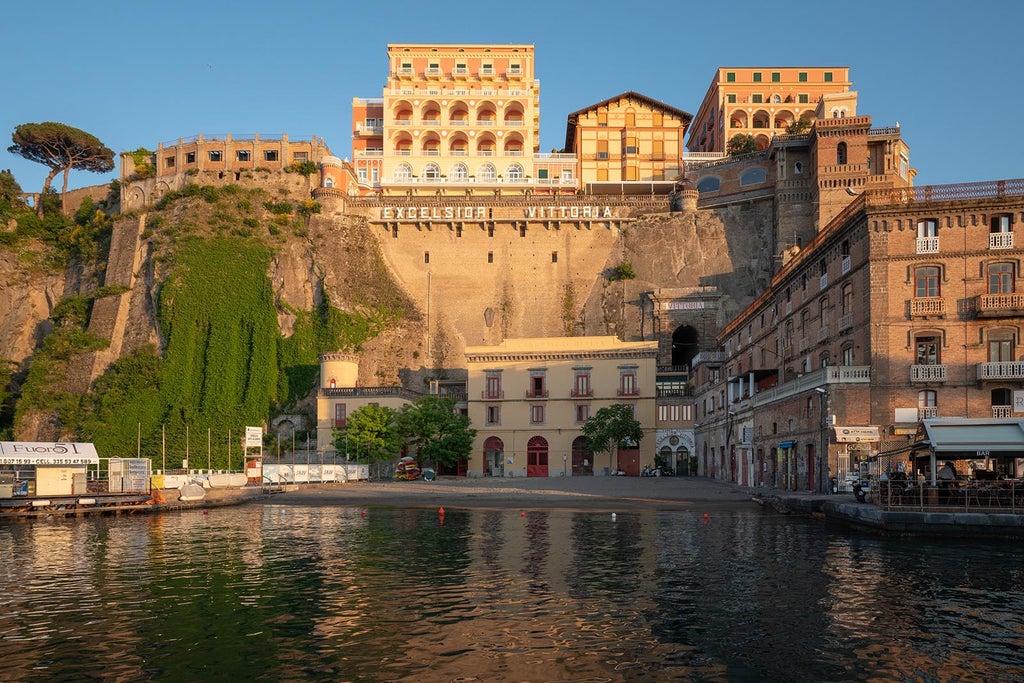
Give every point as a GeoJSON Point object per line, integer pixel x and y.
{"type": "Point", "coordinates": [463, 120]}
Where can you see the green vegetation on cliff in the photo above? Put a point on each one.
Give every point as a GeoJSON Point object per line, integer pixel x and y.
{"type": "Point", "coordinates": [223, 361]}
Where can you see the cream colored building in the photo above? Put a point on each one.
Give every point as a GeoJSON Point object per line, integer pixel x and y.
{"type": "Point", "coordinates": [529, 399]}
{"type": "Point", "coordinates": [450, 115]}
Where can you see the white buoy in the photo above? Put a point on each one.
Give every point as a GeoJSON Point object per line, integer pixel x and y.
{"type": "Point", "coordinates": [613, 516]}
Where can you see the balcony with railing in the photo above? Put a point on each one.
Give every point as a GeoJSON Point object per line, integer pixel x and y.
{"type": "Point", "coordinates": [927, 245]}
{"type": "Point", "coordinates": [845, 265]}
{"type": "Point", "coordinates": [1000, 240]}
{"type": "Point", "coordinates": [928, 373]}
{"type": "Point", "coordinates": [536, 393]}
{"type": "Point", "coordinates": [845, 323]}
{"type": "Point", "coordinates": [581, 393]}
{"type": "Point", "coordinates": [927, 413]}
{"type": "Point", "coordinates": [492, 394]}
{"type": "Point", "coordinates": [628, 391]}
{"type": "Point", "coordinates": [1011, 370]}
{"type": "Point", "coordinates": [999, 305]}
{"type": "Point", "coordinates": [1002, 411]}
{"type": "Point", "coordinates": [927, 306]}
{"type": "Point", "coordinates": [823, 333]}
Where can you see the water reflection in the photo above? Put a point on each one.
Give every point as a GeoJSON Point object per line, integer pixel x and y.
{"type": "Point", "coordinates": [292, 593]}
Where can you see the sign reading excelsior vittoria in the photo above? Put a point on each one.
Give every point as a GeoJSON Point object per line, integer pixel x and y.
{"type": "Point", "coordinates": [47, 453]}
{"type": "Point", "coordinates": [449, 213]}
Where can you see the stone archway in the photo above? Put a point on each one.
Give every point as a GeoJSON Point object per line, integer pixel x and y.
{"type": "Point", "coordinates": [685, 345]}
{"type": "Point", "coordinates": [494, 457]}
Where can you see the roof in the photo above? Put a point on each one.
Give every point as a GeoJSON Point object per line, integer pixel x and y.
{"type": "Point", "coordinates": [570, 128]}
{"type": "Point", "coordinates": [975, 434]}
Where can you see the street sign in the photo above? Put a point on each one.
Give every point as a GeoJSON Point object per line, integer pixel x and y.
{"type": "Point", "coordinates": [253, 437]}
{"type": "Point", "coordinates": [856, 434]}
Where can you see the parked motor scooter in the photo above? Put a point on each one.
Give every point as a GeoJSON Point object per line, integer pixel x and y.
{"type": "Point", "coordinates": [861, 489]}
{"type": "Point", "coordinates": [649, 471]}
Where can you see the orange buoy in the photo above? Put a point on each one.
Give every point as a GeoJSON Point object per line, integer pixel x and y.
{"type": "Point", "coordinates": [523, 513]}
{"type": "Point", "coordinates": [363, 512]}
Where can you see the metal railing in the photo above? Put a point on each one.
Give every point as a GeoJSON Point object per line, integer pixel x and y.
{"type": "Point", "coordinates": [960, 496]}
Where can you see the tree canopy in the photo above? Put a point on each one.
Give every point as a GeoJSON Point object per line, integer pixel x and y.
{"type": "Point", "coordinates": [611, 428]}
{"type": "Point", "coordinates": [370, 434]}
{"type": "Point", "coordinates": [439, 433]}
{"type": "Point", "coordinates": [741, 143]}
{"type": "Point", "coordinates": [61, 148]}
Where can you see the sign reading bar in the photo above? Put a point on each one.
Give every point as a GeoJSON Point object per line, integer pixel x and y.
{"type": "Point", "coordinates": [47, 453]}
{"type": "Point", "coordinates": [856, 434]}
{"type": "Point", "coordinates": [253, 437]}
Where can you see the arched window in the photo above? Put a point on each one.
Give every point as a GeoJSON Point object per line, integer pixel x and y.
{"type": "Point", "coordinates": [486, 172]}
{"type": "Point", "coordinates": [841, 154]}
{"type": "Point", "coordinates": [926, 281]}
{"type": "Point", "coordinates": [798, 168]}
{"type": "Point", "coordinates": [431, 172]}
{"type": "Point", "coordinates": [514, 172]}
{"type": "Point", "coordinates": [847, 304]}
{"type": "Point", "coordinates": [459, 172]}
{"type": "Point", "coordinates": [709, 184]}
{"type": "Point", "coordinates": [403, 172]}
{"type": "Point", "coordinates": [1000, 278]}
{"type": "Point", "coordinates": [776, 99]}
{"type": "Point", "coordinates": [753, 176]}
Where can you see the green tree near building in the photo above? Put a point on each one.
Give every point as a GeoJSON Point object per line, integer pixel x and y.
{"type": "Point", "coordinates": [61, 148]}
{"type": "Point", "coordinates": [370, 435]}
{"type": "Point", "coordinates": [741, 143]}
{"type": "Point", "coordinates": [440, 434]}
{"type": "Point", "coordinates": [611, 428]}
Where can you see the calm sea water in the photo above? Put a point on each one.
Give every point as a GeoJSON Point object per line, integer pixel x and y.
{"type": "Point", "coordinates": [285, 593]}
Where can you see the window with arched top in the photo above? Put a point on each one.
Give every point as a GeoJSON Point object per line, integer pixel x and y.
{"type": "Point", "coordinates": [709, 184]}
{"type": "Point", "coordinates": [753, 176]}
{"type": "Point", "coordinates": [514, 172]}
{"type": "Point", "coordinates": [486, 172]}
{"type": "Point", "coordinates": [403, 172]}
{"type": "Point", "coordinates": [459, 172]}
{"type": "Point", "coordinates": [431, 171]}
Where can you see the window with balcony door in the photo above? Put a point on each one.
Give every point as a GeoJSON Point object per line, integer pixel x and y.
{"type": "Point", "coordinates": [1000, 278]}
{"type": "Point", "coordinates": [1001, 223]}
{"type": "Point", "coordinates": [537, 385]}
{"type": "Point", "coordinates": [493, 386]}
{"type": "Point", "coordinates": [403, 172]}
{"type": "Point", "coordinates": [582, 412]}
{"type": "Point", "coordinates": [926, 349]}
{"type": "Point", "coordinates": [627, 382]}
{"type": "Point", "coordinates": [929, 227]}
{"type": "Point", "coordinates": [927, 403]}
{"type": "Point", "coordinates": [1002, 403]}
{"type": "Point", "coordinates": [492, 415]}
{"type": "Point", "coordinates": [536, 415]}
{"type": "Point", "coordinates": [340, 416]}
{"type": "Point", "coordinates": [1000, 346]}
{"type": "Point", "coordinates": [926, 281]}
{"type": "Point", "coordinates": [847, 355]}
{"type": "Point", "coordinates": [581, 383]}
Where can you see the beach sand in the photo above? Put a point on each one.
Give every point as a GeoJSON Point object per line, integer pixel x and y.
{"type": "Point", "coordinates": [582, 493]}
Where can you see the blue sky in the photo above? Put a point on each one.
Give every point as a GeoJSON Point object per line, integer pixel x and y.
{"type": "Point", "coordinates": [137, 72]}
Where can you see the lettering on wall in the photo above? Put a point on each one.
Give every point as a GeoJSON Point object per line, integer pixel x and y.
{"type": "Point", "coordinates": [450, 213]}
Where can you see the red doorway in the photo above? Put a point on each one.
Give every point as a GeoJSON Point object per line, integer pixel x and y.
{"type": "Point", "coordinates": [537, 457]}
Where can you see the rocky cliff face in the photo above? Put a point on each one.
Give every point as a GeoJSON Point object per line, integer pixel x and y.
{"type": "Point", "coordinates": [451, 289]}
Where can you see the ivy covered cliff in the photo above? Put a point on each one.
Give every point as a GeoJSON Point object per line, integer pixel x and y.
{"type": "Point", "coordinates": [198, 317]}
